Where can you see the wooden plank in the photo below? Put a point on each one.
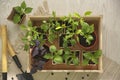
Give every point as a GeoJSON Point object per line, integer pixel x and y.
{"type": "Point", "coordinates": [110, 72]}
{"type": "Point", "coordinates": [41, 75]}
{"type": "Point", "coordinates": [81, 76]}
{"type": "Point", "coordinates": [117, 74]}
{"type": "Point", "coordinates": [56, 75]}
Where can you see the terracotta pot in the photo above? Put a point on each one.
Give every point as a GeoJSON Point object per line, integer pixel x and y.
{"type": "Point", "coordinates": [86, 46]}
{"type": "Point", "coordinates": [13, 12]}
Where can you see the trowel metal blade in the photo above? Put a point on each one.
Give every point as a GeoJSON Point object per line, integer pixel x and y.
{"type": "Point", "coordinates": [24, 76]}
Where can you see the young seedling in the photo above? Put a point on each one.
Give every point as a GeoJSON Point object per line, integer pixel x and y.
{"type": "Point", "coordinates": [71, 57]}
{"type": "Point", "coordinates": [91, 56]}
{"type": "Point", "coordinates": [31, 35]}
{"type": "Point", "coordinates": [55, 55]}
{"type": "Point", "coordinates": [86, 29]}
{"type": "Point", "coordinates": [20, 12]}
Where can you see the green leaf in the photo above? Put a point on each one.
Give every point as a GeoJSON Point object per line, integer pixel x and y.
{"type": "Point", "coordinates": [58, 27]}
{"type": "Point", "coordinates": [30, 23]}
{"type": "Point", "coordinates": [57, 23]}
{"type": "Point", "coordinates": [51, 37]}
{"type": "Point", "coordinates": [89, 38]}
{"type": "Point", "coordinates": [44, 27]}
{"type": "Point", "coordinates": [69, 36]}
{"type": "Point", "coordinates": [88, 55]}
{"type": "Point", "coordinates": [54, 14]}
{"type": "Point", "coordinates": [85, 62]}
{"type": "Point", "coordinates": [78, 31]}
{"type": "Point", "coordinates": [75, 23]}
{"type": "Point", "coordinates": [70, 21]}
{"type": "Point", "coordinates": [60, 52]}
{"type": "Point", "coordinates": [16, 18]}
{"type": "Point", "coordinates": [85, 26]}
{"type": "Point", "coordinates": [66, 56]}
{"type": "Point", "coordinates": [26, 47]}
{"type": "Point", "coordinates": [58, 59]}
{"type": "Point", "coordinates": [67, 51]}
{"type": "Point", "coordinates": [24, 39]}
{"type": "Point", "coordinates": [22, 27]}
{"type": "Point", "coordinates": [28, 10]}
{"type": "Point", "coordinates": [18, 10]}
{"type": "Point", "coordinates": [95, 60]}
{"type": "Point", "coordinates": [97, 54]}
{"type": "Point", "coordinates": [41, 39]}
{"type": "Point", "coordinates": [23, 5]}
{"type": "Point", "coordinates": [87, 13]}
{"type": "Point", "coordinates": [76, 61]}
{"type": "Point", "coordinates": [73, 41]}
{"type": "Point", "coordinates": [52, 48]}
{"type": "Point", "coordinates": [64, 18]}
{"type": "Point", "coordinates": [88, 41]}
{"type": "Point", "coordinates": [65, 43]}
{"type": "Point", "coordinates": [91, 29]}
{"type": "Point", "coordinates": [48, 56]}
{"type": "Point", "coordinates": [77, 15]}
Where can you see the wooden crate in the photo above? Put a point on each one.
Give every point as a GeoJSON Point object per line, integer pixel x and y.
{"type": "Point", "coordinates": [49, 67]}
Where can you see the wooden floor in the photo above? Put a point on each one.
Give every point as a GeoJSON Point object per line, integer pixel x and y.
{"type": "Point", "coordinates": [109, 9]}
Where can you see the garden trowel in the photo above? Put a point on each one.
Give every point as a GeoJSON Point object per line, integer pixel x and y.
{"type": "Point", "coordinates": [7, 46]}
{"type": "Point", "coordinates": [24, 75]}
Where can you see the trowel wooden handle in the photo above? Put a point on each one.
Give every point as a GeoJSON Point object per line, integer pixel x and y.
{"type": "Point", "coordinates": [4, 51]}
{"type": "Point", "coordinates": [10, 49]}
{"type": "Point", "coordinates": [0, 31]}
{"type": "Point", "coordinates": [14, 56]}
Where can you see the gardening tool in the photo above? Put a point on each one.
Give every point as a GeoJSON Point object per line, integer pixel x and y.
{"type": "Point", "coordinates": [3, 31]}
{"type": "Point", "coordinates": [5, 45]}
{"type": "Point", "coordinates": [24, 75]}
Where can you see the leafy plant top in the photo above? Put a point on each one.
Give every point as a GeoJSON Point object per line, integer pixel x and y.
{"type": "Point", "coordinates": [20, 11]}
{"type": "Point", "coordinates": [86, 29]}
{"type": "Point", "coordinates": [91, 56]}
{"type": "Point", "coordinates": [55, 54]}
{"type": "Point", "coordinates": [60, 56]}
{"type": "Point", "coordinates": [71, 57]}
{"type": "Point", "coordinates": [29, 38]}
